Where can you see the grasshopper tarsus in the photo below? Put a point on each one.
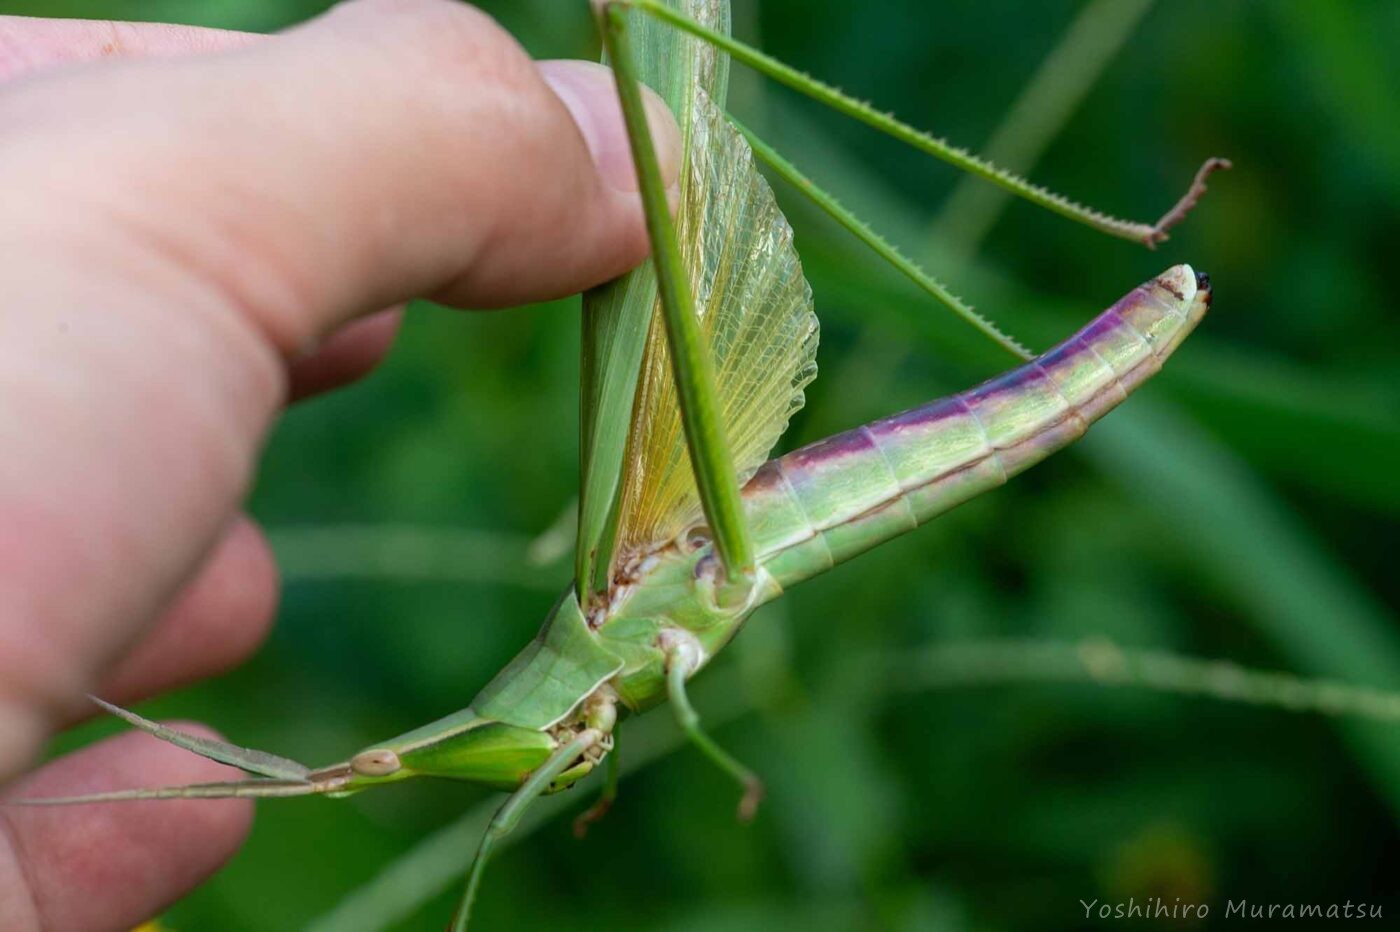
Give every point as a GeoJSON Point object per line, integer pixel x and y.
{"type": "Point", "coordinates": [590, 817]}
{"type": "Point", "coordinates": [754, 793]}
{"type": "Point", "coordinates": [1159, 232]}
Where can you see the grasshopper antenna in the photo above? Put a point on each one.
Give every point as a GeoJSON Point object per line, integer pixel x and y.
{"type": "Point", "coordinates": [272, 775]}
{"type": "Point", "coordinates": [257, 788]}
{"type": "Point", "coordinates": [259, 763]}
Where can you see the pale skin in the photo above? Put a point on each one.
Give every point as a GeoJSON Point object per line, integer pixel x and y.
{"type": "Point", "coordinates": [196, 229]}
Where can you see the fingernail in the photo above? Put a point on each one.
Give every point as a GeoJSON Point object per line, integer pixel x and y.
{"type": "Point", "coordinates": [590, 94]}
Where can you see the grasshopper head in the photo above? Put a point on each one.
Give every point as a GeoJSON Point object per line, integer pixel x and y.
{"type": "Point", "coordinates": [476, 750]}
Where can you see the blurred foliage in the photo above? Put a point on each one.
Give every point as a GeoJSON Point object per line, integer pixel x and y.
{"type": "Point", "coordinates": [1242, 506]}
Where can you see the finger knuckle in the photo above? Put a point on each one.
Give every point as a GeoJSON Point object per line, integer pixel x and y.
{"type": "Point", "coordinates": [451, 38]}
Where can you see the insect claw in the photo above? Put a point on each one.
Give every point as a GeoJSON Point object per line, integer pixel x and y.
{"type": "Point", "coordinates": [754, 792]}
{"type": "Point", "coordinates": [589, 816]}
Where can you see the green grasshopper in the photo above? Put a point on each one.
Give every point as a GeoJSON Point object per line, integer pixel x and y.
{"type": "Point", "coordinates": [692, 366]}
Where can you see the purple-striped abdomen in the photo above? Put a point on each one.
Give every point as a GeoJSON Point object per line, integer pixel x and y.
{"type": "Point", "coordinates": [831, 500]}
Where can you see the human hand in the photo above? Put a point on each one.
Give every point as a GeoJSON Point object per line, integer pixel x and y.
{"type": "Point", "coordinates": [197, 227]}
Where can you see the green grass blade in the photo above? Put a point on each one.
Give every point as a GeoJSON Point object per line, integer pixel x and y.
{"type": "Point", "coordinates": [407, 554]}
{"type": "Point", "coordinates": [1351, 59]}
{"type": "Point", "coordinates": [1100, 662]}
{"type": "Point", "coordinates": [1247, 546]}
{"type": "Point", "coordinates": [1044, 106]}
{"type": "Point", "coordinates": [705, 438]}
{"type": "Point", "coordinates": [877, 243]}
{"type": "Point", "coordinates": [1264, 403]}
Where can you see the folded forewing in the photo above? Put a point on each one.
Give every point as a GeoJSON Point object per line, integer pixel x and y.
{"type": "Point", "coordinates": [755, 311]}
{"type": "Point", "coordinates": [617, 316]}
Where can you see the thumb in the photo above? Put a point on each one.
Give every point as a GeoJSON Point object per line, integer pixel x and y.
{"type": "Point", "coordinates": [390, 149]}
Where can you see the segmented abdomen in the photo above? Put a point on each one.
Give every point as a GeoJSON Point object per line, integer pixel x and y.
{"type": "Point", "coordinates": [829, 501]}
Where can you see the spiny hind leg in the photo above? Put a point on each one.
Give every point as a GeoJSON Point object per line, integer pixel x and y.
{"type": "Point", "coordinates": [681, 661]}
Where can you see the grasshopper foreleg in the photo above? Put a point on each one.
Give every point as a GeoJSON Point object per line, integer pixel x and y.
{"type": "Point", "coordinates": [606, 798]}
{"type": "Point", "coordinates": [682, 659]}
{"type": "Point", "coordinates": [508, 816]}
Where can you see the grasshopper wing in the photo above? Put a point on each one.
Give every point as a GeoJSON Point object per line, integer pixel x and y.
{"type": "Point", "coordinates": [617, 316]}
{"type": "Point", "coordinates": [755, 311]}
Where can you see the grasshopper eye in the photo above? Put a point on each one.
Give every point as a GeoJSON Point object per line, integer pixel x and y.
{"type": "Point", "coordinates": [375, 763]}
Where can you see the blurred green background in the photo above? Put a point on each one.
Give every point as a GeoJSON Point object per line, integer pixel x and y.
{"type": "Point", "coordinates": [1242, 506]}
